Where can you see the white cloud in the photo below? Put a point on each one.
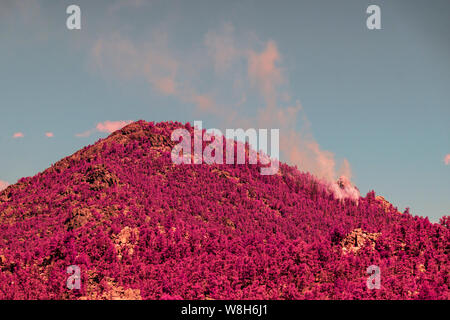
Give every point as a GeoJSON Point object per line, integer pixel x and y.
{"type": "Point", "coordinates": [105, 127]}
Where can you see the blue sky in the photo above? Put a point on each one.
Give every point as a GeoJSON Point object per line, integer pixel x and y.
{"type": "Point", "coordinates": [378, 98]}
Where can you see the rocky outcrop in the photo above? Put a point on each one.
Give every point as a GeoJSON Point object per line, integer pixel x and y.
{"type": "Point", "coordinates": [386, 205]}
{"type": "Point", "coordinates": [357, 239]}
{"type": "Point", "coordinates": [125, 241]}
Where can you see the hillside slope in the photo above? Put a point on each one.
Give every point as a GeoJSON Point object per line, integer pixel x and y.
{"type": "Point", "coordinates": [140, 227]}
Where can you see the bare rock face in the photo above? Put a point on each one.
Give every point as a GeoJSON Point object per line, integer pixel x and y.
{"type": "Point", "coordinates": [385, 205]}
{"type": "Point", "coordinates": [100, 178]}
{"type": "Point", "coordinates": [78, 218]}
{"type": "Point", "coordinates": [358, 238]}
{"type": "Point", "coordinates": [125, 241]}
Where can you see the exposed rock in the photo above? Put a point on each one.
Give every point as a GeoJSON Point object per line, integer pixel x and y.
{"type": "Point", "coordinates": [354, 241]}
{"type": "Point", "coordinates": [78, 218]}
{"type": "Point", "coordinates": [125, 241]}
{"type": "Point", "coordinates": [100, 178]}
{"type": "Point", "coordinates": [385, 205]}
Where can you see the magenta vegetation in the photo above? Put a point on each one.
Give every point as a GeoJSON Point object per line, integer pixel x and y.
{"type": "Point", "coordinates": [140, 227]}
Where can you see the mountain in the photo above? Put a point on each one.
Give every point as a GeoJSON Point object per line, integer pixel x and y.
{"type": "Point", "coordinates": [137, 226]}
